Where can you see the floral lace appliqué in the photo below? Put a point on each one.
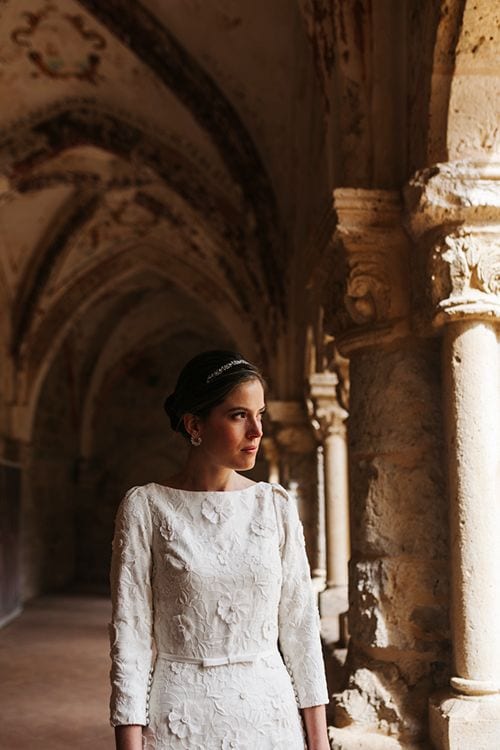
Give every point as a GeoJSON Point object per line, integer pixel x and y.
{"type": "Point", "coordinates": [217, 509]}
{"type": "Point", "coordinates": [169, 531]}
{"type": "Point", "coordinates": [232, 609]}
{"type": "Point", "coordinates": [184, 628]}
{"type": "Point", "coordinates": [182, 721]}
{"type": "Point", "coordinates": [262, 527]}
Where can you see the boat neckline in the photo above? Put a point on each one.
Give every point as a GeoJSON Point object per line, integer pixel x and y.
{"type": "Point", "coordinates": [210, 492]}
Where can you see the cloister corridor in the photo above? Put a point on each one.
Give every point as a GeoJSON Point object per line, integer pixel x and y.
{"type": "Point", "coordinates": [314, 184]}
{"type": "Point", "coordinates": [54, 664]}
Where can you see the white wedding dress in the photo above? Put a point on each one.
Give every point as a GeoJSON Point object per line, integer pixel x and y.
{"type": "Point", "coordinates": [205, 585]}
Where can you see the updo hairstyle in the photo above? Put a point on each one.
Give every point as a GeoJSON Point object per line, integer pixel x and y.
{"type": "Point", "coordinates": [204, 382]}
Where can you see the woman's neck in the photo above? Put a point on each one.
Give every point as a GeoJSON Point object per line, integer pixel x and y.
{"type": "Point", "coordinates": [200, 475]}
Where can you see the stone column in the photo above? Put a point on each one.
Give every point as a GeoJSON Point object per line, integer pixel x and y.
{"type": "Point", "coordinates": [398, 568]}
{"type": "Point", "coordinates": [297, 448]}
{"type": "Point", "coordinates": [454, 214]}
{"type": "Point", "coordinates": [329, 419]}
{"type": "Point", "coordinates": [320, 488]}
{"type": "Point", "coordinates": [272, 457]}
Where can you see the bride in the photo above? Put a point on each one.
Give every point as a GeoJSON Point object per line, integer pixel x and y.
{"type": "Point", "coordinates": [214, 630]}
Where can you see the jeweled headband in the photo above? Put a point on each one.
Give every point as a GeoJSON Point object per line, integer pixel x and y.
{"type": "Point", "coordinates": [225, 367]}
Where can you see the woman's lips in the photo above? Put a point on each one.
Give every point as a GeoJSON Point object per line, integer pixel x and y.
{"type": "Point", "coordinates": [252, 449]}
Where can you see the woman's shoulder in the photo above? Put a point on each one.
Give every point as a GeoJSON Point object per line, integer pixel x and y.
{"type": "Point", "coordinates": [285, 504]}
{"type": "Point", "coordinates": [272, 488]}
{"type": "Point", "coordinates": [134, 507]}
{"type": "Point", "coordinates": [279, 490]}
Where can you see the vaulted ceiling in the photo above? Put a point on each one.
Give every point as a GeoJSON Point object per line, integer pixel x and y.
{"type": "Point", "coordinates": [194, 145]}
{"type": "Point", "coordinates": [147, 141]}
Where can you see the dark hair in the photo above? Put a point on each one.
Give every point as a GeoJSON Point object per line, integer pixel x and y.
{"type": "Point", "coordinates": [204, 382]}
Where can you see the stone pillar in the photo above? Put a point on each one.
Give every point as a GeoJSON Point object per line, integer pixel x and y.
{"type": "Point", "coordinates": [272, 457]}
{"type": "Point", "coordinates": [454, 214]}
{"type": "Point", "coordinates": [329, 419]}
{"type": "Point", "coordinates": [398, 569]}
{"type": "Point", "coordinates": [320, 486]}
{"type": "Point", "coordinates": [297, 448]}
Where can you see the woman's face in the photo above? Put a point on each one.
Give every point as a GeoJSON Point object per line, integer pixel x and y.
{"type": "Point", "coordinates": [232, 432]}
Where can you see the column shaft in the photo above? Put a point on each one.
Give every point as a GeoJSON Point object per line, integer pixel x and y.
{"type": "Point", "coordinates": [337, 509]}
{"type": "Point", "coordinates": [302, 481]}
{"type": "Point", "coordinates": [473, 435]}
{"type": "Point", "coordinates": [320, 572]}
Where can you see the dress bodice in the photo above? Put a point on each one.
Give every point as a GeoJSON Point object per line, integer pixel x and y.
{"type": "Point", "coordinates": [213, 577]}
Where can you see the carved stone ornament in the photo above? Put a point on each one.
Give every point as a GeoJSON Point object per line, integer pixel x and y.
{"type": "Point", "coordinates": [367, 299]}
{"type": "Point", "coordinates": [465, 274]}
{"type": "Point", "coordinates": [453, 212]}
{"type": "Point", "coordinates": [326, 414]}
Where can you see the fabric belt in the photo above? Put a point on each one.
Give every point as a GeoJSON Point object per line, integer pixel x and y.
{"type": "Point", "coordinates": [216, 661]}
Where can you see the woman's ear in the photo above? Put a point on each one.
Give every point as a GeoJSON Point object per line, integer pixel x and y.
{"type": "Point", "coordinates": [192, 424]}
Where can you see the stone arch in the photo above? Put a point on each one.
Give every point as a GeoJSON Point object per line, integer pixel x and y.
{"type": "Point", "coordinates": [45, 339]}
{"type": "Point", "coordinates": [458, 36]}
{"type": "Point", "coordinates": [447, 34]}
{"type": "Point", "coordinates": [171, 63]}
{"type": "Point", "coordinates": [78, 123]}
{"type": "Point", "coordinates": [475, 87]}
{"type": "Point", "coordinates": [47, 257]}
{"type": "Point", "coordinates": [73, 122]}
{"type": "Point", "coordinates": [150, 328]}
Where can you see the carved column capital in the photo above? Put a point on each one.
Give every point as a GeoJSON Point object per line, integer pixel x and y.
{"type": "Point", "coordinates": [327, 415]}
{"type": "Point", "coordinates": [270, 449]}
{"type": "Point", "coordinates": [369, 269]}
{"type": "Point", "coordinates": [453, 214]}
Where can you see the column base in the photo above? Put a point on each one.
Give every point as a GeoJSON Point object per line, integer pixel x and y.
{"type": "Point", "coordinates": [356, 739]}
{"type": "Point", "coordinates": [461, 722]}
{"type": "Point", "coordinates": [318, 578]}
{"type": "Point", "coordinates": [333, 601]}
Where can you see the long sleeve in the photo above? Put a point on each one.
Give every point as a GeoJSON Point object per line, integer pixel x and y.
{"type": "Point", "coordinates": [130, 629]}
{"type": "Point", "coordinates": [298, 617]}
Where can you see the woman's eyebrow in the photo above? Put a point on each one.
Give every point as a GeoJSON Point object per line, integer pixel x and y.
{"type": "Point", "coordinates": [244, 408]}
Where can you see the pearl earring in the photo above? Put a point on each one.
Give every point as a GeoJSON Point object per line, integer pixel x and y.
{"type": "Point", "coordinates": [195, 440]}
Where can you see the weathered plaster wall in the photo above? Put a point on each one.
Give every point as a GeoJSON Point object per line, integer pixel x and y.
{"type": "Point", "coordinates": [49, 490]}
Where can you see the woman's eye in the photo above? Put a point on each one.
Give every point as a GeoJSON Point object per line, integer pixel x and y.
{"type": "Point", "coordinates": [239, 414]}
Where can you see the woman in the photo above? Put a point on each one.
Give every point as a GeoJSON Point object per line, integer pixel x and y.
{"type": "Point", "coordinates": [208, 575]}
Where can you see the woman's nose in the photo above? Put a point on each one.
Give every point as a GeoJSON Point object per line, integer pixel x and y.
{"type": "Point", "coordinates": [255, 428]}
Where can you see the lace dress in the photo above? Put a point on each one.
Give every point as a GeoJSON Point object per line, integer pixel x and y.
{"type": "Point", "coordinates": [205, 585]}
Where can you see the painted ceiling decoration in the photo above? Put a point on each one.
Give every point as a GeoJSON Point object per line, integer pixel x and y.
{"type": "Point", "coordinates": [49, 37]}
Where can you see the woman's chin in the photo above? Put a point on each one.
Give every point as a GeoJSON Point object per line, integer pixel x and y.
{"type": "Point", "coordinates": [248, 461]}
